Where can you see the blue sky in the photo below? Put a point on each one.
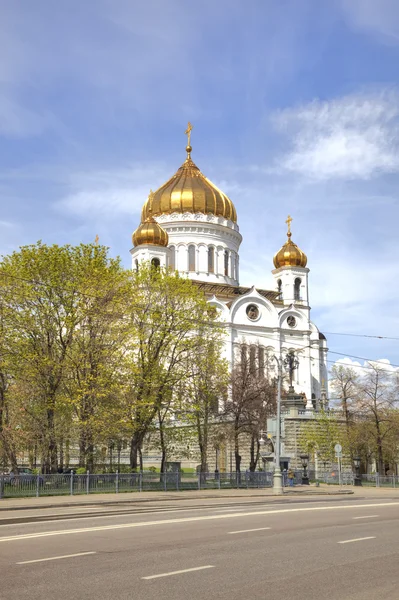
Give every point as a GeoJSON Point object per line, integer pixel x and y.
{"type": "Point", "coordinates": [295, 107]}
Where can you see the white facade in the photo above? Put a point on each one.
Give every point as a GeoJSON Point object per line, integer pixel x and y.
{"type": "Point", "coordinates": [203, 247]}
{"type": "Point", "coordinates": [280, 321]}
{"type": "Point", "coordinates": [156, 255]}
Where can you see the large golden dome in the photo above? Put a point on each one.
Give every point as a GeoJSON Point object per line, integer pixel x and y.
{"type": "Point", "coordinates": [290, 255]}
{"type": "Point", "coordinates": [150, 233]}
{"type": "Point", "coordinates": [189, 191]}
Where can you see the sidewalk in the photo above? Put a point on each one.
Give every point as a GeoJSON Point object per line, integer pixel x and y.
{"type": "Point", "coordinates": [139, 497]}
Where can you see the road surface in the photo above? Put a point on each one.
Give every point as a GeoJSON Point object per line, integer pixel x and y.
{"type": "Point", "coordinates": [228, 549]}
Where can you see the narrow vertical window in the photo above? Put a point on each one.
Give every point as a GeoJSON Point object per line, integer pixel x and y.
{"type": "Point", "coordinates": [156, 263]}
{"type": "Point", "coordinates": [172, 259]}
{"type": "Point", "coordinates": [280, 289]}
{"type": "Point", "coordinates": [261, 361]}
{"type": "Point", "coordinates": [252, 360]}
{"type": "Point", "coordinates": [211, 259]}
{"type": "Point", "coordinates": [243, 357]}
{"type": "Point", "coordinates": [136, 264]}
{"type": "Point", "coordinates": [191, 258]}
{"type": "Point", "coordinates": [297, 289]}
{"type": "Point", "coordinates": [226, 262]}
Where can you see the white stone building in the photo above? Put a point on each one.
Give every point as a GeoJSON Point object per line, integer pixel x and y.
{"type": "Point", "coordinates": [188, 224]}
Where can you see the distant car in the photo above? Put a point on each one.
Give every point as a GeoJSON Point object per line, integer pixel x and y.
{"type": "Point", "coordinates": [24, 475]}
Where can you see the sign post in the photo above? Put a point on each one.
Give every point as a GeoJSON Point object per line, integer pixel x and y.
{"type": "Point", "coordinates": [338, 455]}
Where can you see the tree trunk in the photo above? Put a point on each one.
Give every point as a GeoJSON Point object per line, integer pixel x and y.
{"type": "Point", "coordinates": [237, 452]}
{"type": "Point", "coordinates": [61, 461]}
{"type": "Point", "coordinates": [254, 454]}
{"type": "Point", "coordinates": [82, 448]}
{"type": "Point", "coordinates": [163, 444]}
{"type": "Point", "coordinates": [135, 445]}
{"type": "Point", "coordinates": [67, 456]}
{"type": "Point", "coordinates": [141, 458]}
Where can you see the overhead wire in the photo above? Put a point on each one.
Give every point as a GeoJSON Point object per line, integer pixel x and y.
{"type": "Point", "coordinates": [344, 354]}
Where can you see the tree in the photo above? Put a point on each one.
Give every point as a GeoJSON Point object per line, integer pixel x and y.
{"type": "Point", "coordinates": [376, 406]}
{"type": "Point", "coordinates": [323, 433]}
{"type": "Point", "coordinates": [96, 378]}
{"type": "Point", "coordinates": [205, 387]}
{"type": "Point", "coordinates": [168, 323]}
{"type": "Point", "coordinates": [41, 297]}
{"type": "Point", "coordinates": [252, 400]}
{"type": "Point", "coordinates": [62, 305]}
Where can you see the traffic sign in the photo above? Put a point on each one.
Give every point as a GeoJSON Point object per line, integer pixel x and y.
{"type": "Point", "coordinates": [338, 448]}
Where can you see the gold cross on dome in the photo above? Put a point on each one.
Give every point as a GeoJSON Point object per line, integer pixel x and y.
{"type": "Point", "coordinates": [96, 240]}
{"type": "Point", "coordinates": [289, 221]}
{"type": "Point", "coordinates": [188, 133]}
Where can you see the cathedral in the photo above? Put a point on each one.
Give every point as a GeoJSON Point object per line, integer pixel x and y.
{"type": "Point", "coordinates": [190, 225]}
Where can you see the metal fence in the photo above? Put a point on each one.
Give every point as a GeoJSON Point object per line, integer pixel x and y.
{"type": "Point", "coordinates": [71, 484]}
{"type": "Point", "coordinates": [376, 480]}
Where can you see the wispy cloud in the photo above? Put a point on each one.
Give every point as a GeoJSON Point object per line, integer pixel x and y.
{"type": "Point", "coordinates": [101, 194]}
{"type": "Point", "coordinates": [378, 17]}
{"type": "Point", "coordinates": [353, 137]}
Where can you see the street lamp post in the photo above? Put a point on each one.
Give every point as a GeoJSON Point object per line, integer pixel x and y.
{"type": "Point", "coordinates": [277, 477]}
{"type": "Point", "coordinates": [356, 462]}
{"type": "Point", "coordinates": [305, 460]}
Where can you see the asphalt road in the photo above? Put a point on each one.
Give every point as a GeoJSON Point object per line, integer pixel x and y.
{"type": "Point", "coordinates": [232, 550]}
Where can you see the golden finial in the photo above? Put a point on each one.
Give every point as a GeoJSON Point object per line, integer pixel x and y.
{"type": "Point", "coordinates": [188, 134]}
{"type": "Point", "coordinates": [96, 239]}
{"type": "Point", "coordinates": [289, 221]}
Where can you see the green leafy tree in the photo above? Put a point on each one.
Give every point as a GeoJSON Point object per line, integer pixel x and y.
{"type": "Point", "coordinates": [165, 317]}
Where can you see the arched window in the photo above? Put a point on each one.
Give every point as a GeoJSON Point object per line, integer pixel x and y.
{"type": "Point", "coordinates": [136, 264]}
{"type": "Point", "coordinates": [297, 289]}
{"type": "Point", "coordinates": [226, 262]}
{"type": "Point", "coordinates": [172, 259]}
{"type": "Point", "coordinates": [280, 289]}
{"type": "Point", "coordinates": [211, 259]}
{"type": "Point", "coordinates": [156, 263]}
{"type": "Point", "coordinates": [191, 258]}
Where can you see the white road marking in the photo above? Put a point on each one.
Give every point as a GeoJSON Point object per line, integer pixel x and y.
{"type": "Point", "coordinates": [119, 515]}
{"type": "Point", "coordinates": [249, 530]}
{"type": "Point", "coordinates": [178, 572]}
{"type": "Point", "coordinates": [28, 562]}
{"type": "Point", "coordinates": [366, 517]}
{"type": "Point", "coordinates": [189, 520]}
{"type": "Point", "coordinates": [372, 537]}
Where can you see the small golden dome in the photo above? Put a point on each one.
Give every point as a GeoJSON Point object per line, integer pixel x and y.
{"type": "Point", "coordinates": [290, 255]}
{"type": "Point", "coordinates": [189, 191]}
{"type": "Point", "coordinates": [149, 232]}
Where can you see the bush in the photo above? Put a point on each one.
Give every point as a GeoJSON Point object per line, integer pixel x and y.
{"type": "Point", "coordinates": [81, 471]}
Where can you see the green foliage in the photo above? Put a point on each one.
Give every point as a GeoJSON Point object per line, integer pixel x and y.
{"type": "Point", "coordinates": [322, 434]}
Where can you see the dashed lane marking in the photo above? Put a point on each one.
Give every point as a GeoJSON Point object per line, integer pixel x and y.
{"type": "Point", "coordinates": [372, 537]}
{"type": "Point", "coordinates": [28, 562]}
{"type": "Point", "coordinates": [179, 572]}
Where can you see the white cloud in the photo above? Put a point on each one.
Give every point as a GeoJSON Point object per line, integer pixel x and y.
{"type": "Point", "coordinates": [101, 194]}
{"type": "Point", "coordinates": [354, 137]}
{"type": "Point", "coordinates": [379, 17]}
{"type": "Point", "coordinates": [361, 368]}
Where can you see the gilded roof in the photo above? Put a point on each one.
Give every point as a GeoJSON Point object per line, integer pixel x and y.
{"type": "Point", "coordinates": [289, 254]}
{"type": "Point", "coordinates": [151, 233]}
{"type": "Point", "coordinates": [189, 191]}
